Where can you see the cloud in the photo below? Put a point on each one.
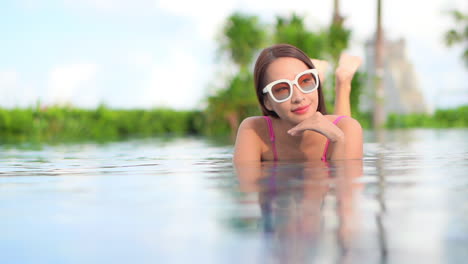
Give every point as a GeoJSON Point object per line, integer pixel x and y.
{"type": "Point", "coordinates": [120, 6]}
{"type": "Point", "coordinates": [176, 82]}
{"type": "Point", "coordinates": [9, 85]}
{"type": "Point", "coordinates": [67, 83]}
{"type": "Point", "coordinates": [206, 15]}
{"type": "Point", "coordinates": [98, 4]}
{"type": "Point", "coordinates": [140, 59]}
{"type": "Point", "coordinates": [8, 79]}
{"type": "Point", "coordinates": [15, 91]}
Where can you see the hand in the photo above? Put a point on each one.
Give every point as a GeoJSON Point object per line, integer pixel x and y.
{"type": "Point", "coordinates": [320, 124]}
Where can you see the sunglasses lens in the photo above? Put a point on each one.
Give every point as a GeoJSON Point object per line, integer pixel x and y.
{"type": "Point", "coordinates": [281, 91]}
{"type": "Point", "coordinates": [307, 82]}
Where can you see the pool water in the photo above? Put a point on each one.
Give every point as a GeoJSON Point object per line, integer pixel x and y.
{"type": "Point", "coordinates": [181, 200]}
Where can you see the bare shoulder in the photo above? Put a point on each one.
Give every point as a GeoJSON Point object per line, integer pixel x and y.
{"type": "Point", "coordinates": [346, 122]}
{"type": "Point", "coordinates": [249, 140]}
{"type": "Point", "coordinates": [331, 118]}
{"type": "Point", "coordinates": [254, 127]}
{"type": "Point", "coordinates": [253, 122]}
{"type": "Point", "coordinates": [349, 123]}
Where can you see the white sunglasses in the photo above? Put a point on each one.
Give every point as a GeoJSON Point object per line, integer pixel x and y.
{"type": "Point", "coordinates": [282, 90]}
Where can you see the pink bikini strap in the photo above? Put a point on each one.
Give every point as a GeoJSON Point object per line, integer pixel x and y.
{"type": "Point", "coordinates": [324, 156]}
{"type": "Point", "coordinates": [272, 137]}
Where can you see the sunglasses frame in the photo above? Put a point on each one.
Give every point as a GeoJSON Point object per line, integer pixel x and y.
{"type": "Point", "coordinates": [268, 88]}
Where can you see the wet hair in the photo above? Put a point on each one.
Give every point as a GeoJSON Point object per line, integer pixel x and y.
{"type": "Point", "coordinates": [266, 57]}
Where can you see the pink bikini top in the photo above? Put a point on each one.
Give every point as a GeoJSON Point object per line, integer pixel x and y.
{"type": "Point", "coordinates": [272, 138]}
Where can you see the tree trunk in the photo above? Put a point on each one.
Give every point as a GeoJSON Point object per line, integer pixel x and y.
{"type": "Point", "coordinates": [379, 112]}
{"type": "Point", "coordinates": [337, 18]}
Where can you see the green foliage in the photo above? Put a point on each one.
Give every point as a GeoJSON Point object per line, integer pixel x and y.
{"type": "Point", "coordinates": [365, 119]}
{"type": "Point", "coordinates": [322, 43]}
{"type": "Point", "coordinates": [337, 40]}
{"type": "Point", "coordinates": [293, 31]}
{"type": "Point", "coordinates": [242, 36]}
{"type": "Point", "coordinates": [57, 124]}
{"type": "Point", "coordinates": [357, 85]}
{"type": "Point", "coordinates": [442, 118]}
{"type": "Point", "coordinates": [228, 106]}
{"type": "Point", "coordinates": [458, 34]}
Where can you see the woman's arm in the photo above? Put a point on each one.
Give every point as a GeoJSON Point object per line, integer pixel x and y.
{"type": "Point", "coordinates": [321, 124]}
{"type": "Point", "coordinates": [345, 138]}
{"type": "Point", "coordinates": [248, 142]}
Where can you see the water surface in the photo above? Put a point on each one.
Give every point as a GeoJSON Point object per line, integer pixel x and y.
{"type": "Point", "coordinates": [182, 201]}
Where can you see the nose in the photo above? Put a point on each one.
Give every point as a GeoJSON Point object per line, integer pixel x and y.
{"type": "Point", "coordinates": [297, 95]}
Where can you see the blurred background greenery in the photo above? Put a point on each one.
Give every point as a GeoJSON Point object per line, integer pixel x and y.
{"type": "Point", "coordinates": [240, 40]}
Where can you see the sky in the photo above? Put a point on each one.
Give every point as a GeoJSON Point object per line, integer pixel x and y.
{"type": "Point", "coordinates": [163, 53]}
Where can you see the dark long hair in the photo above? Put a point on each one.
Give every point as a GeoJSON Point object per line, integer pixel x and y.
{"type": "Point", "coordinates": [266, 57]}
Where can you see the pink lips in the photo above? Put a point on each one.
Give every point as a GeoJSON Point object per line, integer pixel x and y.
{"type": "Point", "coordinates": [301, 110]}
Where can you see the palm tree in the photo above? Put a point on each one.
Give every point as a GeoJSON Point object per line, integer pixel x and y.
{"type": "Point", "coordinates": [242, 36]}
{"type": "Point", "coordinates": [337, 17]}
{"type": "Point", "coordinates": [379, 114]}
{"type": "Point", "coordinates": [459, 34]}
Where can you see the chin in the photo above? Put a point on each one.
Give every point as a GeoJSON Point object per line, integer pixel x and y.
{"type": "Point", "coordinates": [296, 119]}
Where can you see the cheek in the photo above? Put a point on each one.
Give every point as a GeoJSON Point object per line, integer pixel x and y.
{"type": "Point", "coordinates": [274, 106]}
{"type": "Point", "coordinates": [314, 99]}
{"type": "Point", "coordinates": [314, 95]}
{"type": "Point", "coordinates": [267, 103]}
{"type": "Point", "coordinates": [282, 109]}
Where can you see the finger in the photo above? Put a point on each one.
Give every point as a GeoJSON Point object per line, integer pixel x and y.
{"type": "Point", "coordinates": [296, 133]}
{"type": "Point", "coordinates": [295, 130]}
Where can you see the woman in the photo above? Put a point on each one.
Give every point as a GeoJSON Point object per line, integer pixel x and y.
{"type": "Point", "coordinates": [295, 125]}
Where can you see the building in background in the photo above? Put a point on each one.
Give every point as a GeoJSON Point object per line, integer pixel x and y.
{"type": "Point", "coordinates": [402, 94]}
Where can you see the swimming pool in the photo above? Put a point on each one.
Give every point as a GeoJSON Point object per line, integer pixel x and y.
{"type": "Point", "coordinates": [180, 200]}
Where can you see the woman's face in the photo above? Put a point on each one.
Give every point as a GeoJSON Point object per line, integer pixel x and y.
{"type": "Point", "coordinates": [301, 105]}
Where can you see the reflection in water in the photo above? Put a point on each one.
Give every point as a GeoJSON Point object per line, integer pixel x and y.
{"type": "Point", "coordinates": [380, 134]}
{"type": "Point", "coordinates": [299, 202]}
{"type": "Point", "coordinates": [177, 201]}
